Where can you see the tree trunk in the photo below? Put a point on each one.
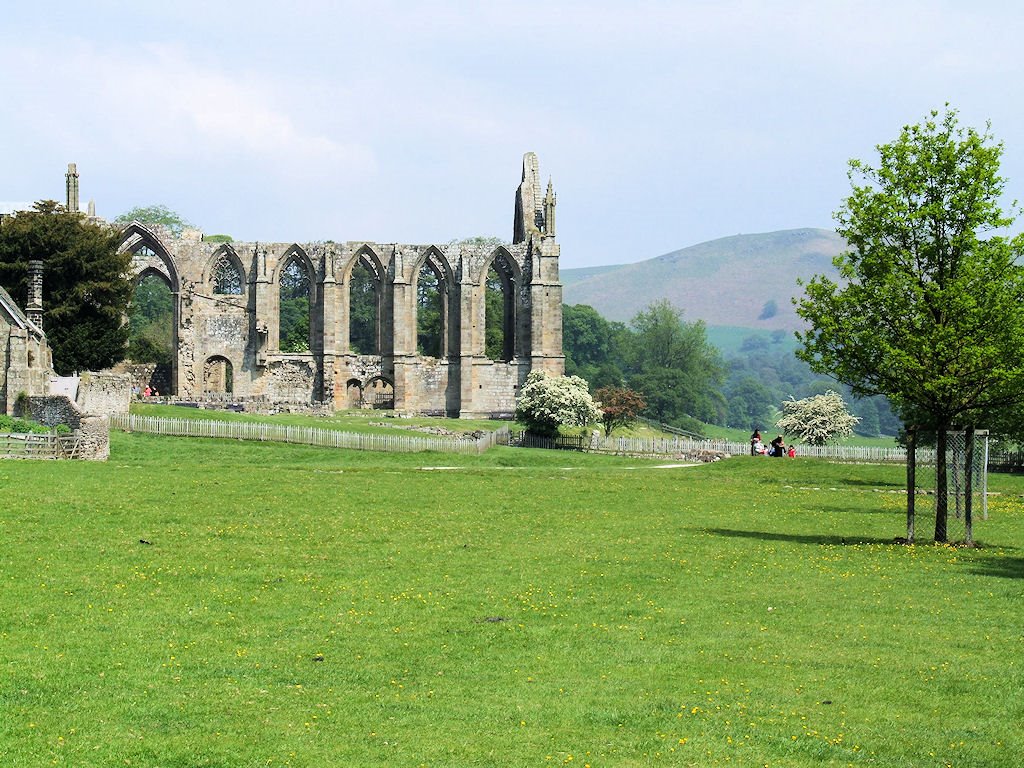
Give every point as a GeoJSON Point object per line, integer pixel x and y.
{"type": "Point", "coordinates": [941, 485]}
{"type": "Point", "coordinates": [911, 482]}
{"type": "Point", "coordinates": [969, 486]}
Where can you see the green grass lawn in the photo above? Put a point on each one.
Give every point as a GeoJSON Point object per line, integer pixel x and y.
{"type": "Point", "coordinates": [308, 607]}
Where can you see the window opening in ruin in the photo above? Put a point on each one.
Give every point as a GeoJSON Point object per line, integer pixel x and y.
{"type": "Point", "coordinates": [364, 310]}
{"type": "Point", "coordinates": [499, 311]}
{"type": "Point", "coordinates": [294, 313]}
{"type": "Point", "coordinates": [379, 393]}
{"type": "Point", "coordinates": [151, 323]}
{"type": "Point", "coordinates": [227, 278]}
{"type": "Point", "coordinates": [354, 393]}
{"type": "Point", "coordinates": [430, 311]}
{"type": "Point", "coordinates": [218, 376]}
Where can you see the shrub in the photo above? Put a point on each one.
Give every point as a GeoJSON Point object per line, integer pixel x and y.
{"type": "Point", "coordinates": [548, 402]}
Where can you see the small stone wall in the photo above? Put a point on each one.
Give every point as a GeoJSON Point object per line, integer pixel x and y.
{"type": "Point", "coordinates": [51, 410]}
{"type": "Point", "coordinates": [142, 375]}
{"type": "Point", "coordinates": [92, 431]}
{"type": "Point", "coordinates": [104, 392]}
{"type": "Point", "coordinates": [94, 438]}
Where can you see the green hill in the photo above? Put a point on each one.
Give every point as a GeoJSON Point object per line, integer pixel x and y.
{"type": "Point", "coordinates": [744, 280]}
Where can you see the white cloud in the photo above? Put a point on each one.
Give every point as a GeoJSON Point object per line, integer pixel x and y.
{"type": "Point", "coordinates": [157, 101]}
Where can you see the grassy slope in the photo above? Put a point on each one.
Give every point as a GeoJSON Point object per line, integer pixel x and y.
{"type": "Point", "coordinates": [723, 282]}
{"type": "Point", "coordinates": [514, 612]}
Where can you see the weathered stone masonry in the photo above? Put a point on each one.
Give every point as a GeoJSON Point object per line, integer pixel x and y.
{"type": "Point", "coordinates": [227, 329]}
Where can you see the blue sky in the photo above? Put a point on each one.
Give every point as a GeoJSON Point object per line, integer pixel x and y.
{"type": "Point", "coordinates": [662, 124]}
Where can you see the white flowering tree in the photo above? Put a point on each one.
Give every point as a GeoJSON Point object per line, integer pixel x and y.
{"type": "Point", "coordinates": [817, 420]}
{"type": "Point", "coordinates": [547, 402]}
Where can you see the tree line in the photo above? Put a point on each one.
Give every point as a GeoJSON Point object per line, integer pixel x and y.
{"type": "Point", "coordinates": [687, 382]}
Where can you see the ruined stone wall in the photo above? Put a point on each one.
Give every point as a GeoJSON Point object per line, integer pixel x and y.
{"type": "Point", "coordinates": [142, 375]}
{"type": "Point", "coordinates": [52, 410]}
{"type": "Point", "coordinates": [91, 430]}
{"type": "Point", "coordinates": [228, 297]}
{"type": "Point", "coordinates": [94, 438]}
{"type": "Point", "coordinates": [499, 385]}
{"type": "Point", "coordinates": [104, 392]}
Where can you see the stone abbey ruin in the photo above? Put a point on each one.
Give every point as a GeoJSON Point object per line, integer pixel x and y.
{"type": "Point", "coordinates": [229, 300]}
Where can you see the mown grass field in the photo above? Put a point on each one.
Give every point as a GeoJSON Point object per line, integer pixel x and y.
{"type": "Point", "coordinates": [216, 603]}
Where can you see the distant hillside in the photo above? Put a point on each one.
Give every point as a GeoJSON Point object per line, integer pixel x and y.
{"type": "Point", "coordinates": [734, 281]}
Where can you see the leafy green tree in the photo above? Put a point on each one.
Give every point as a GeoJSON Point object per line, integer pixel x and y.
{"type": "Point", "coordinates": [547, 402]}
{"type": "Point", "coordinates": [593, 346]}
{"type": "Point", "coordinates": [156, 215]}
{"type": "Point", "coordinates": [675, 368]}
{"type": "Point", "coordinates": [928, 310]}
{"type": "Point", "coordinates": [750, 403]}
{"type": "Point", "coordinates": [85, 285]}
{"type": "Point", "coordinates": [866, 409]}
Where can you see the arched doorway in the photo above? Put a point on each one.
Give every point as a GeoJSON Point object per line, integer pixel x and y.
{"type": "Point", "coordinates": [380, 393]}
{"type": "Point", "coordinates": [354, 394]}
{"type": "Point", "coordinates": [218, 376]}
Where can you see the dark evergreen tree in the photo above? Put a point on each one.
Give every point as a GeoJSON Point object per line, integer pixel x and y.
{"type": "Point", "coordinates": [86, 288]}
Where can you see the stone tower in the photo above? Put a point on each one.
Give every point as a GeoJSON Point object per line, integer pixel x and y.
{"type": "Point", "coordinates": [71, 179]}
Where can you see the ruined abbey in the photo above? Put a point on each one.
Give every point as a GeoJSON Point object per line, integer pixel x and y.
{"type": "Point", "coordinates": [362, 344]}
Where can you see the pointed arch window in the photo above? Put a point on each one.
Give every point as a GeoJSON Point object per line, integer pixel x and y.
{"type": "Point", "coordinates": [431, 310]}
{"type": "Point", "coordinates": [227, 277]}
{"type": "Point", "coordinates": [294, 308]}
{"type": "Point", "coordinates": [364, 309]}
{"type": "Point", "coordinates": [499, 310]}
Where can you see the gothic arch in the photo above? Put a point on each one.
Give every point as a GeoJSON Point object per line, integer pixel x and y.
{"type": "Point", "coordinates": [365, 335]}
{"type": "Point", "coordinates": [225, 273]}
{"type": "Point", "coordinates": [434, 260]}
{"type": "Point", "coordinates": [151, 258]}
{"type": "Point", "coordinates": [218, 375]}
{"type": "Point", "coordinates": [297, 304]}
{"type": "Point", "coordinates": [379, 392]}
{"type": "Point", "coordinates": [136, 237]}
{"type": "Point", "coordinates": [509, 276]}
{"type": "Point", "coordinates": [297, 254]}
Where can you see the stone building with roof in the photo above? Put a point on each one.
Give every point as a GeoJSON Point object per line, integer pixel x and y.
{"type": "Point", "coordinates": [25, 361]}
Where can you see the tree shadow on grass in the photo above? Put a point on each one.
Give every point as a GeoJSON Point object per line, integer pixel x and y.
{"type": "Point", "coordinates": [864, 511]}
{"type": "Point", "coordinates": [875, 483]}
{"type": "Point", "coordinates": [795, 538]}
{"type": "Point", "coordinates": [1003, 567]}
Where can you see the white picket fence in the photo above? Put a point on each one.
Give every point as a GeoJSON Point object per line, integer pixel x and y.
{"type": "Point", "coordinates": [682, 445]}
{"type": "Point", "coordinates": [318, 436]}
{"type": "Point", "coordinates": [332, 438]}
